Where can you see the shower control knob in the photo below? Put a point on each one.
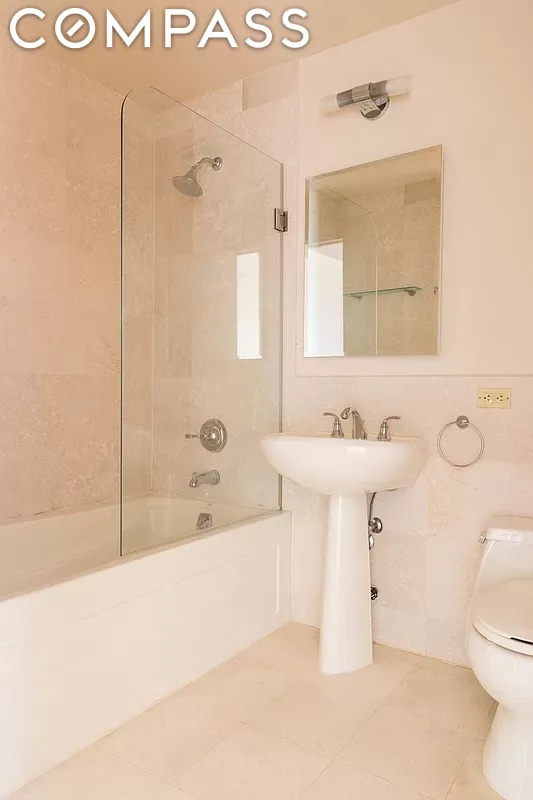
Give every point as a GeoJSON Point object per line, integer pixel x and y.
{"type": "Point", "coordinates": [213, 435]}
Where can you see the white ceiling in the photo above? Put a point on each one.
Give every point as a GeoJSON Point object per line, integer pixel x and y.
{"type": "Point", "coordinates": [185, 71]}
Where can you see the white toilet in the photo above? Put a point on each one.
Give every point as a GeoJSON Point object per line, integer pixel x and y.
{"type": "Point", "coordinates": [500, 646]}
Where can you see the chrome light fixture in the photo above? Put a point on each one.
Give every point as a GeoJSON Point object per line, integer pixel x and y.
{"type": "Point", "coordinates": [373, 99]}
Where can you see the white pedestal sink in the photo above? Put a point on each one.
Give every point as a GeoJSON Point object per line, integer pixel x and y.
{"type": "Point", "coordinates": [346, 470]}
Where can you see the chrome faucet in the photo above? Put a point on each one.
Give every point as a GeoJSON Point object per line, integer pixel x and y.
{"type": "Point", "coordinates": [337, 432]}
{"type": "Point", "coordinates": [358, 425]}
{"type": "Point", "coordinates": [384, 433]}
{"type": "Point", "coordinates": [211, 478]}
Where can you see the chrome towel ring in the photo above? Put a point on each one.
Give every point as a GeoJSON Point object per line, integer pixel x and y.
{"type": "Point", "coordinates": [463, 423]}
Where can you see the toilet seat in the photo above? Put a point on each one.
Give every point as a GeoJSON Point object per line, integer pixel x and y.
{"type": "Point", "coordinates": [503, 614]}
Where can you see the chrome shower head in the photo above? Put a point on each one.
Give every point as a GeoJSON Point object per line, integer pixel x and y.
{"type": "Point", "coordinates": [188, 184]}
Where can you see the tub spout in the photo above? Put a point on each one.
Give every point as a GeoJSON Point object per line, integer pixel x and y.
{"type": "Point", "coordinates": [211, 478]}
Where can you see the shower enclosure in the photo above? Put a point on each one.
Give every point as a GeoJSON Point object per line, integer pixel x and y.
{"type": "Point", "coordinates": [201, 326]}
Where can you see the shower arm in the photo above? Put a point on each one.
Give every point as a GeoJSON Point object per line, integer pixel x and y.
{"type": "Point", "coordinates": [214, 163]}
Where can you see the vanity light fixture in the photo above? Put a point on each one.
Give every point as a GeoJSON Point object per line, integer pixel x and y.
{"type": "Point", "coordinates": [372, 98]}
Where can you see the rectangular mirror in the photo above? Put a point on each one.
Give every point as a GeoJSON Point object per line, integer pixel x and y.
{"type": "Point", "coordinates": [373, 258]}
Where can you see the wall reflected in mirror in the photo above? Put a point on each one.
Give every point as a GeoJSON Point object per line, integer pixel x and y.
{"type": "Point", "coordinates": [373, 258]}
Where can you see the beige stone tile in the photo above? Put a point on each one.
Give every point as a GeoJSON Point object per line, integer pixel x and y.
{"type": "Point", "coordinates": [370, 685]}
{"type": "Point", "coordinates": [410, 751]}
{"type": "Point", "coordinates": [169, 738]}
{"type": "Point", "coordinates": [253, 765]}
{"type": "Point", "coordinates": [171, 793]}
{"type": "Point", "coordinates": [314, 720]}
{"type": "Point", "coordinates": [342, 782]}
{"type": "Point", "coordinates": [237, 688]}
{"type": "Point", "coordinates": [401, 555]}
{"type": "Point", "coordinates": [443, 668]}
{"type": "Point", "coordinates": [475, 756]}
{"type": "Point", "coordinates": [293, 650]}
{"type": "Point", "coordinates": [93, 775]}
{"type": "Point", "coordinates": [269, 86]}
{"type": "Point", "coordinates": [446, 695]}
{"type": "Point", "coordinates": [470, 783]}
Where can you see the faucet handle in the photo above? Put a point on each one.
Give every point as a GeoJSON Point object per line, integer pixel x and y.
{"type": "Point", "coordinates": [384, 433]}
{"type": "Point", "coordinates": [337, 432]}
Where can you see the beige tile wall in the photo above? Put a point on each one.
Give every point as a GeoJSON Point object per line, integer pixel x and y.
{"type": "Point", "coordinates": [193, 372]}
{"type": "Point", "coordinates": [138, 283]}
{"type": "Point", "coordinates": [59, 287]}
{"type": "Point", "coordinates": [173, 334]}
{"type": "Point", "coordinates": [425, 561]}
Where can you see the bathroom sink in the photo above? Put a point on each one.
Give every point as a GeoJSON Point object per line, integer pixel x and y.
{"type": "Point", "coordinates": [345, 466]}
{"type": "Point", "coordinates": [346, 470]}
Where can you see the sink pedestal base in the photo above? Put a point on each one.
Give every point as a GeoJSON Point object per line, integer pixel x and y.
{"type": "Point", "coordinates": [346, 631]}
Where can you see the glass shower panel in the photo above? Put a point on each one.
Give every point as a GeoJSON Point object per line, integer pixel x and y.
{"type": "Point", "coordinates": [201, 324]}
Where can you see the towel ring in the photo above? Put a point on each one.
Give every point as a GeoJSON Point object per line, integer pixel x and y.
{"type": "Point", "coordinates": [463, 423]}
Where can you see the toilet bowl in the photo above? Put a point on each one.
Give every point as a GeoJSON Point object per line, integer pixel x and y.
{"type": "Point", "coordinates": [500, 647]}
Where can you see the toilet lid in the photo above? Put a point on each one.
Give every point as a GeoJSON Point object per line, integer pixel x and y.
{"type": "Point", "coordinates": [504, 614]}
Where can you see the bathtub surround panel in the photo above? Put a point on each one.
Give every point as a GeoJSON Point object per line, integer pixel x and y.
{"type": "Point", "coordinates": [59, 257]}
{"type": "Point", "coordinates": [81, 658]}
{"type": "Point", "coordinates": [425, 561]}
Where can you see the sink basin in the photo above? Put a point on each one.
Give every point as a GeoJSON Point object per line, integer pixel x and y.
{"type": "Point", "coordinates": [346, 470]}
{"type": "Point", "coordinates": [345, 466]}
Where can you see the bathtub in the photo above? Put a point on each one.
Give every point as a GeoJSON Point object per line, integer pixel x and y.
{"type": "Point", "coordinates": [81, 654]}
{"type": "Point", "coordinates": [49, 548]}
{"type": "Point", "coordinates": [155, 521]}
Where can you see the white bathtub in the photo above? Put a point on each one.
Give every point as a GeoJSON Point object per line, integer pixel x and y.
{"type": "Point", "coordinates": [156, 521]}
{"type": "Point", "coordinates": [49, 548]}
{"type": "Point", "coordinates": [80, 657]}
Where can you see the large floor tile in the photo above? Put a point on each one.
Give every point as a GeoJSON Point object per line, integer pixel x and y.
{"type": "Point", "coordinates": [237, 689]}
{"type": "Point", "coordinates": [92, 775]}
{"type": "Point", "coordinates": [253, 765]}
{"type": "Point", "coordinates": [342, 782]}
{"type": "Point", "coordinates": [410, 751]}
{"type": "Point", "coordinates": [372, 684]}
{"type": "Point", "coordinates": [170, 738]}
{"type": "Point", "coordinates": [293, 651]}
{"type": "Point", "coordinates": [470, 783]}
{"type": "Point", "coordinates": [443, 668]}
{"type": "Point", "coordinates": [314, 721]}
{"type": "Point", "coordinates": [449, 697]}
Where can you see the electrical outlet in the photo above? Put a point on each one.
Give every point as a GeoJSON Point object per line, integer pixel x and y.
{"type": "Point", "coordinates": [494, 398]}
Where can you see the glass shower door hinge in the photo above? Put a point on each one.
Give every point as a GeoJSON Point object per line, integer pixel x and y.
{"type": "Point", "coordinates": [281, 220]}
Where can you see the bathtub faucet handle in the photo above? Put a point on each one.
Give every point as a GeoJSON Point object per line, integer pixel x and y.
{"type": "Point", "coordinates": [213, 435]}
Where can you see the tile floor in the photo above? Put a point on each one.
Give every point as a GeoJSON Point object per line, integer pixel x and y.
{"type": "Point", "coordinates": [267, 726]}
